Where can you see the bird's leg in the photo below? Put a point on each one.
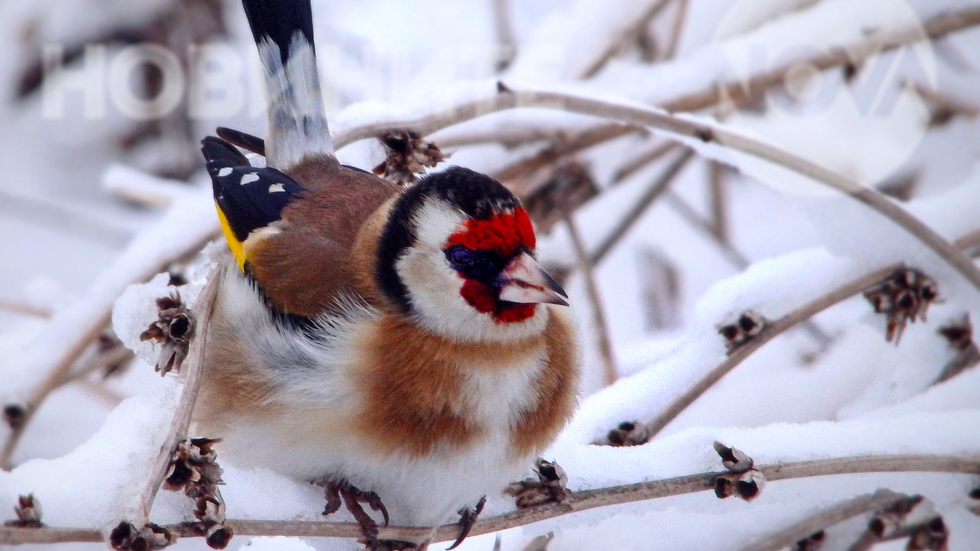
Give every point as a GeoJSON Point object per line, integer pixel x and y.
{"type": "Point", "coordinates": [467, 518]}
{"type": "Point", "coordinates": [331, 491]}
{"type": "Point", "coordinates": [339, 490]}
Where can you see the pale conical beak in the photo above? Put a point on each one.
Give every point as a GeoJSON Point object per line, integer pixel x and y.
{"type": "Point", "coordinates": [525, 281]}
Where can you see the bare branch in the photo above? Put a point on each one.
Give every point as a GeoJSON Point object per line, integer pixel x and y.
{"type": "Point", "coordinates": [609, 371]}
{"type": "Point", "coordinates": [83, 321]}
{"type": "Point", "coordinates": [825, 518]}
{"type": "Point", "coordinates": [675, 31]}
{"type": "Point", "coordinates": [192, 374]}
{"type": "Point", "coordinates": [24, 308]}
{"type": "Point", "coordinates": [772, 330]}
{"type": "Point", "coordinates": [718, 184]}
{"type": "Point", "coordinates": [628, 36]}
{"type": "Point", "coordinates": [512, 176]}
{"type": "Point", "coordinates": [968, 241]}
{"type": "Point", "coordinates": [656, 189]}
{"type": "Point", "coordinates": [577, 501]}
{"type": "Point", "coordinates": [936, 27]}
{"type": "Point", "coordinates": [643, 160]}
{"type": "Point", "coordinates": [734, 256]}
{"type": "Point", "coordinates": [503, 24]}
{"type": "Point", "coordinates": [725, 138]}
{"type": "Point", "coordinates": [746, 92]}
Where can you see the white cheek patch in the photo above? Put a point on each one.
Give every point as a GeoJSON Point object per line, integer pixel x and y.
{"type": "Point", "coordinates": [434, 223]}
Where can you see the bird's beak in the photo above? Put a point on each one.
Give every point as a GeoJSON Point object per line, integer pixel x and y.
{"type": "Point", "coordinates": [525, 281]}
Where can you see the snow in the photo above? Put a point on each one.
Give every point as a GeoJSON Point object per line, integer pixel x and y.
{"type": "Point", "coordinates": [99, 482]}
{"type": "Point", "coordinates": [74, 248]}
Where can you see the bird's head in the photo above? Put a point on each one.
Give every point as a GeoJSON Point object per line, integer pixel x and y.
{"type": "Point", "coordinates": [457, 253]}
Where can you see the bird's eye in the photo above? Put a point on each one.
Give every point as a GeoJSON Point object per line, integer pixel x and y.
{"type": "Point", "coordinates": [461, 256]}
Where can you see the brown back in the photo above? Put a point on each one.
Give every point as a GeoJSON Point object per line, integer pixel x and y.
{"type": "Point", "coordinates": [304, 267]}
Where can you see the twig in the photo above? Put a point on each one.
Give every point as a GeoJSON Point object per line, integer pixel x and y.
{"type": "Point", "coordinates": [774, 329]}
{"type": "Point", "coordinates": [719, 199]}
{"type": "Point", "coordinates": [747, 91]}
{"type": "Point", "coordinates": [508, 137]}
{"type": "Point", "coordinates": [968, 241]}
{"type": "Point", "coordinates": [734, 256]}
{"type": "Point", "coordinates": [643, 160]}
{"type": "Point", "coordinates": [675, 31]}
{"type": "Point", "coordinates": [513, 174]}
{"type": "Point", "coordinates": [953, 105]}
{"type": "Point", "coordinates": [656, 189]}
{"type": "Point", "coordinates": [936, 27]}
{"type": "Point", "coordinates": [828, 517]}
{"type": "Point", "coordinates": [24, 308]}
{"type": "Point", "coordinates": [731, 253]}
{"type": "Point", "coordinates": [188, 225]}
{"type": "Point", "coordinates": [708, 134]}
{"type": "Point", "coordinates": [627, 36]}
{"type": "Point", "coordinates": [577, 501]}
{"type": "Point", "coordinates": [193, 374]}
{"type": "Point", "coordinates": [137, 186]}
{"type": "Point", "coordinates": [99, 390]}
{"type": "Point", "coordinates": [505, 33]}
{"type": "Point", "coordinates": [609, 371]}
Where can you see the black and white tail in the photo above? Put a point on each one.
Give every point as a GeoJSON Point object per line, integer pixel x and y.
{"type": "Point", "coordinates": [283, 31]}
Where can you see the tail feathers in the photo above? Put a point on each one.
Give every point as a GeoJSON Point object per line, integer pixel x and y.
{"type": "Point", "coordinates": [283, 31]}
{"type": "Point", "coordinates": [279, 20]}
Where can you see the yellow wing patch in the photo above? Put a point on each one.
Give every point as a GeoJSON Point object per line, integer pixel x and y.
{"type": "Point", "coordinates": [233, 243]}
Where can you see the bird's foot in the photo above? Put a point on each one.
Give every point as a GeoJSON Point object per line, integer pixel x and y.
{"type": "Point", "coordinates": [548, 488]}
{"type": "Point", "coordinates": [339, 491]}
{"type": "Point", "coordinates": [467, 518]}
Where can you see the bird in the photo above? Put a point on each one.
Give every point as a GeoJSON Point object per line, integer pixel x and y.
{"type": "Point", "coordinates": [400, 346]}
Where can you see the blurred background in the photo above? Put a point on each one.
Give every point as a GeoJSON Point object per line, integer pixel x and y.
{"type": "Point", "coordinates": [103, 104]}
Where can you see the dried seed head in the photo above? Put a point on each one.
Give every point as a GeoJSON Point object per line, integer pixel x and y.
{"type": "Point", "coordinates": [173, 329]}
{"type": "Point", "coordinates": [907, 277]}
{"type": "Point", "coordinates": [747, 485]}
{"type": "Point", "coordinates": [731, 332]}
{"type": "Point", "coordinates": [407, 155]}
{"type": "Point", "coordinates": [548, 488]}
{"type": "Point", "coordinates": [750, 484]}
{"type": "Point", "coordinates": [15, 415]}
{"type": "Point", "coordinates": [28, 511]}
{"type": "Point", "coordinates": [628, 433]}
{"type": "Point", "coordinates": [902, 297]}
{"type": "Point", "coordinates": [958, 333]}
{"type": "Point", "coordinates": [891, 517]}
{"type": "Point", "coordinates": [813, 542]}
{"type": "Point", "coordinates": [933, 536]}
{"type": "Point", "coordinates": [733, 459]}
{"type": "Point", "coordinates": [724, 486]}
{"type": "Point", "coordinates": [218, 537]}
{"type": "Point", "coordinates": [751, 323]}
{"type": "Point", "coordinates": [748, 325]}
{"type": "Point", "coordinates": [881, 302]}
{"type": "Point", "coordinates": [194, 468]}
{"type": "Point", "coordinates": [126, 537]}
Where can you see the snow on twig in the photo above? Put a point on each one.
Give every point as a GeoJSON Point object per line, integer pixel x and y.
{"type": "Point", "coordinates": [186, 226]}
{"type": "Point", "coordinates": [577, 502]}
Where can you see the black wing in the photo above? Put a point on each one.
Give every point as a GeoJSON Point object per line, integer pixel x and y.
{"type": "Point", "coordinates": [249, 198]}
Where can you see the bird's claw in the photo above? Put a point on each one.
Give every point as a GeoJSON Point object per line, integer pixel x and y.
{"type": "Point", "coordinates": [467, 518]}
{"type": "Point", "coordinates": [340, 491]}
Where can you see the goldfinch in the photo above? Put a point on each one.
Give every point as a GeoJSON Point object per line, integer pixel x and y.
{"type": "Point", "coordinates": [400, 346]}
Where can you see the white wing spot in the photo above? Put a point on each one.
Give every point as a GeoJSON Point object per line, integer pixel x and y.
{"type": "Point", "coordinates": [249, 178]}
{"type": "Point", "coordinates": [224, 172]}
{"type": "Point", "coordinates": [277, 188]}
